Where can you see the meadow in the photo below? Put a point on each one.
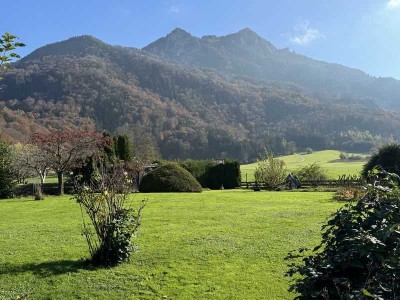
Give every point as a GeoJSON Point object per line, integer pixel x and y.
{"type": "Point", "coordinates": [213, 245]}
{"type": "Point", "coordinates": [327, 159]}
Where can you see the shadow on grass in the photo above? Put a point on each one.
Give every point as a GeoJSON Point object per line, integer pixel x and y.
{"type": "Point", "coordinates": [47, 268]}
{"type": "Point", "coordinates": [19, 200]}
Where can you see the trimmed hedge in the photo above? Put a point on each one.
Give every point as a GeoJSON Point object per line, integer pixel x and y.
{"type": "Point", "coordinates": [212, 175]}
{"type": "Point", "coordinates": [169, 178]}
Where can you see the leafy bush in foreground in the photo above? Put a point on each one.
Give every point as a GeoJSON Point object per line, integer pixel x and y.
{"type": "Point", "coordinates": [169, 178]}
{"type": "Point", "coordinates": [112, 224]}
{"type": "Point", "coordinates": [359, 255]}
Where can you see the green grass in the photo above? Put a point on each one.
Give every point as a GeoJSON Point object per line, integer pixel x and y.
{"type": "Point", "coordinates": [213, 245]}
{"type": "Point", "coordinates": [328, 159]}
{"type": "Point", "coordinates": [49, 179]}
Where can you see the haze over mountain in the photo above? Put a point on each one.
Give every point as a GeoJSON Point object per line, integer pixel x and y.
{"type": "Point", "coordinates": [200, 98]}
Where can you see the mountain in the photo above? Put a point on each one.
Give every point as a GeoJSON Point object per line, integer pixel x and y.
{"type": "Point", "coordinates": [248, 56]}
{"type": "Point", "coordinates": [185, 111]}
{"type": "Point", "coordinates": [17, 125]}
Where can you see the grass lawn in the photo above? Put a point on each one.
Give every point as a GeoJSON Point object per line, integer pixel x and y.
{"type": "Point", "coordinates": [49, 179]}
{"type": "Point", "coordinates": [328, 159]}
{"type": "Point", "coordinates": [213, 245]}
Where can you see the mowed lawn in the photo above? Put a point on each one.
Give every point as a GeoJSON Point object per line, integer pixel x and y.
{"type": "Point", "coordinates": [213, 245]}
{"type": "Point", "coordinates": [327, 159]}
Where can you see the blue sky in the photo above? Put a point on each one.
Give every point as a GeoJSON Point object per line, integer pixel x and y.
{"type": "Point", "coordinates": [364, 34]}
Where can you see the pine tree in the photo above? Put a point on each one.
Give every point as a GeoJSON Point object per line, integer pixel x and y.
{"type": "Point", "coordinates": [124, 148]}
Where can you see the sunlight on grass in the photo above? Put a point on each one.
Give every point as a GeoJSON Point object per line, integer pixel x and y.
{"type": "Point", "coordinates": [213, 245]}
{"type": "Point", "coordinates": [328, 159]}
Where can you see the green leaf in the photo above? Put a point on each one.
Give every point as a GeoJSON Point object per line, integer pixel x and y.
{"type": "Point", "coordinates": [368, 294]}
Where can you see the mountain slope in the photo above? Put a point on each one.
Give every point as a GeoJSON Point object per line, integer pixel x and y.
{"type": "Point", "coordinates": [247, 55]}
{"type": "Point", "coordinates": [188, 112]}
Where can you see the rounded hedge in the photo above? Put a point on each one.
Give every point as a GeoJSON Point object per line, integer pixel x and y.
{"type": "Point", "coordinates": [388, 157]}
{"type": "Point", "coordinates": [169, 178]}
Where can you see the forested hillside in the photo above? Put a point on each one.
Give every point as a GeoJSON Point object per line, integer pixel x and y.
{"type": "Point", "coordinates": [247, 55]}
{"type": "Point", "coordinates": [183, 111]}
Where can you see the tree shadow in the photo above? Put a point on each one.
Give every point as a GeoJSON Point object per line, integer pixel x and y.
{"type": "Point", "coordinates": [47, 268]}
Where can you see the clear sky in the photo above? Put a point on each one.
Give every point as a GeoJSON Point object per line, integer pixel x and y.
{"type": "Point", "coordinates": [364, 34]}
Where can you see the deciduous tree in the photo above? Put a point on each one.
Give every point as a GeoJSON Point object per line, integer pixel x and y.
{"type": "Point", "coordinates": [270, 170]}
{"type": "Point", "coordinates": [30, 159]}
{"type": "Point", "coordinates": [65, 150]}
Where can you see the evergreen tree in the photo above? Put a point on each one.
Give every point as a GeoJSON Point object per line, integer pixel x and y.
{"type": "Point", "coordinates": [6, 174]}
{"type": "Point", "coordinates": [124, 148]}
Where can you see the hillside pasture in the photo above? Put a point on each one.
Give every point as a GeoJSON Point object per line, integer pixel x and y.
{"type": "Point", "coordinates": [327, 159]}
{"type": "Point", "coordinates": [213, 245]}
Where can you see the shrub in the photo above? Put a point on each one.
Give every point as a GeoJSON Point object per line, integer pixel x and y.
{"type": "Point", "coordinates": [169, 178]}
{"type": "Point", "coordinates": [309, 150]}
{"type": "Point", "coordinates": [112, 224]}
{"type": "Point", "coordinates": [388, 158]}
{"type": "Point", "coordinates": [213, 176]}
{"type": "Point", "coordinates": [343, 155]}
{"type": "Point", "coordinates": [349, 194]}
{"type": "Point", "coordinates": [200, 169]}
{"type": "Point", "coordinates": [358, 257]}
{"type": "Point", "coordinates": [312, 172]}
{"type": "Point", "coordinates": [232, 175]}
{"type": "Point", "coordinates": [270, 171]}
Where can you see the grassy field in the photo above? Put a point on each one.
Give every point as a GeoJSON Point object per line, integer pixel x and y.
{"type": "Point", "coordinates": [213, 245]}
{"type": "Point", "coordinates": [328, 159]}
{"type": "Point", "coordinates": [49, 179]}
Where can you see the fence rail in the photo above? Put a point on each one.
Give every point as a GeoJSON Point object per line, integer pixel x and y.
{"type": "Point", "coordinates": [48, 189]}
{"type": "Point", "coordinates": [310, 183]}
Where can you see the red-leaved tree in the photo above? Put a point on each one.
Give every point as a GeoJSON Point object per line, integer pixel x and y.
{"type": "Point", "coordinates": [67, 149]}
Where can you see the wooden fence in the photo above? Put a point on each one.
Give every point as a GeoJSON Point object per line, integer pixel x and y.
{"type": "Point", "coordinates": [48, 189]}
{"type": "Point", "coordinates": [312, 183]}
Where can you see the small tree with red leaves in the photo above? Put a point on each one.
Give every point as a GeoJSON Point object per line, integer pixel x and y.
{"type": "Point", "coordinates": [67, 149]}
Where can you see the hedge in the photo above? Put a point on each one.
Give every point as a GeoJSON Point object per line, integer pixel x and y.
{"type": "Point", "coordinates": [213, 176]}
{"type": "Point", "coordinates": [169, 178]}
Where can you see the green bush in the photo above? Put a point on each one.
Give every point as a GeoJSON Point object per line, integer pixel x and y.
{"type": "Point", "coordinates": [227, 173]}
{"type": "Point", "coordinates": [169, 178]}
{"type": "Point", "coordinates": [359, 255]}
{"type": "Point", "coordinates": [388, 157]}
{"type": "Point", "coordinates": [214, 176]}
{"type": "Point", "coordinates": [199, 169]}
{"type": "Point", "coordinates": [270, 171]}
{"type": "Point", "coordinates": [112, 223]}
{"type": "Point", "coordinates": [311, 172]}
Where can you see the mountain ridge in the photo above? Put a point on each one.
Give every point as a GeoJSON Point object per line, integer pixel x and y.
{"type": "Point", "coordinates": [251, 57]}
{"type": "Point", "coordinates": [183, 110]}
